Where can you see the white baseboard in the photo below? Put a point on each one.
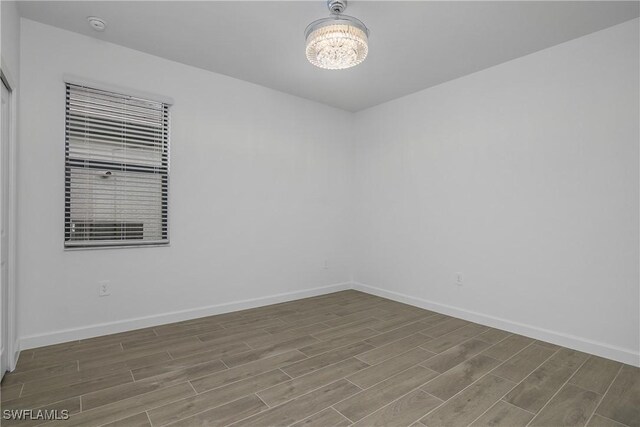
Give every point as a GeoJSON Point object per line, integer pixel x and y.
{"type": "Point", "coordinates": [623, 355]}
{"type": "Point", "coordinates": [582, 344]}
{"type": "Point", "coordinates": [56, 337]}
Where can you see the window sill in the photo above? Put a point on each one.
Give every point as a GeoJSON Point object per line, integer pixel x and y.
{"type": "Point", "coordinates": [91, 248]}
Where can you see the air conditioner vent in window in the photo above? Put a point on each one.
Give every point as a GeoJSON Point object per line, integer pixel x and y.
{"type": "Point", "coordinates": [84, 230]}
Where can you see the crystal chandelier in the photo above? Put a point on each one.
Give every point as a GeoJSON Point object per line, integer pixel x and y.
{"type": "Point", "coordinates": [337, 42]}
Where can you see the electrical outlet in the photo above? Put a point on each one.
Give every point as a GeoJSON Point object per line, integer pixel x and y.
{"type": "Point", "coordinates": [104, 288]}
{"type": "Point", "coordinates": [459, 279]}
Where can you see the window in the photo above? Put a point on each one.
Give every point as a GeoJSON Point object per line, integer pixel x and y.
{"type": "Point", "coordinates": [116, 169]}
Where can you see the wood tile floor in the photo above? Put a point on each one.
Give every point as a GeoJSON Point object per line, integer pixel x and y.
{"type": "Point", "coordinates": [342, 359]}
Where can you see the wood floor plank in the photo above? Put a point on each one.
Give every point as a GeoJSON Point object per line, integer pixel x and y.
{"type": "Point", "coordinates": [394, 348]}
{"type": "Point", "coordinates": [373, 312]}
{"type": "Point", "coordinates": [402, 412]}
{"type": "Point", "coordinates": [121, 359]}
{"type": "Point", "coordinates": [139, 420]}
{"type": "Point", "coordinates": [326, 418]}
{"type": "Point", "coordinates": [355, 307]}
{"type": "Point", "coordinates": [124, 391]}
{"type": "Point", "coordinates": [60, 381]}
{"type": "Point", "coordinates": [238, 358]}
{"type": "Point", "coordinates": [445, 342]}
{"type": "Point", "coordinates": [622, 401]}
{"type": "Point", "coordinates": [225, 414]}
{"type": "Point", "coordinates": [596, 374]}
{"type": "Point", "coordinates": [120, 337]}
{"type": "Point", "coordinates": [245, 371]}
{"type": "Point", "coordinates": [364, 403]}
{"type": "Point", "coordinates": [522, 364]}
{"type": "Point", "coordinates": [537, 388]}
{"type": "Point", "coordinates": [508, 347]}
{"type": "Point", "coordinates": [186, 330]}
{"type": "Point", "coordinates": [547, 344]}
{"type": "Point", "coordinates": [457, 378]}
{"type": "Point", "coordinates": [159, 343]}
{"type": "Point", "coordinates": [468, 405]}
{"type": "Point", "coordinates": [11, 378]}
{"type": "Point", "coordinates": [303, 313]}
{"type": "Point", "coordinates": [226, 345]}
{"type": "Point", "coordinates": [64, 392]}
{"type": "Point", "coordinates": [81, 354]}
{"type": "Point", "coordinates": [455, 355]}
{"type": "Point", "coordinates": [392, 323]}
{"type": "Point", "coordinates": [300, 385]}
{"type": "Point", "coordinates": [26, 364]}
{"type": "Point", "coordinates": [126, 408]}
{"type": "Point", "coordinates": [436, 319]}
{"type": "Point", "coordinates": [55, 347]}
{"type": "Point", "coordinates": [396, 334]}
{"type": "Point", "coordinates": [445, 327]}
{"type": "Point", "coordinates": [600, 421]}
{"type": "Point", "coordinates": [214, 365]}
{"type": "Point", "coordinates": [305, 320]}
{"type": "Point", "coordinates": [126, 364]}
{"type": "Point", "coordinates": [390, 367]}
{"type": "Point", "coordinates": [270, 339]}
{"type": "Point", "coordinates": [10, 392]}
{"type": "Point", "coordinates": [324, 346]}
{"type": "Point", "coordinates": [232, 336]}
{"type": "Point", "coordinates": [493, 336]}
{"type": "Point", "coordinates": [503, 414]}
{"type": "Point", "coordinates": [571, 407]}
{"type": "Point", "coordinates": [259, 322]}
{"type": "Point", "coordinates": [192, 331]}
{"type": "Point", "coordinates": [208, 320]}
{"type": "Point", "coordinates": [338, 331]}
{"type": "Point", "coordinates": [83, 375]}
{"type": "Point", "coordinates": [279, 309]}
{"type": "Point", "coordinates": [77, 349]}
{"type": "Point", "coordinates": [193, 405]}
{"type": "Point", "coordinates": [303, 406]}
{"type": "Point", "coordinates": [325, 359]}
{"type": "Point", "coordinates": [398, 307]}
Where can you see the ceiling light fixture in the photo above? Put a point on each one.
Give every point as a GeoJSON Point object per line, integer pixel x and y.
{"type": "Point", "coordinates": [97, 23]}
{"type": "Point", "coordinates": [337, 42]}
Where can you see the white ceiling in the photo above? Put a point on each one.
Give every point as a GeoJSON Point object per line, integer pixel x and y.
{"type": "Point", "coordinates": [413, 45]}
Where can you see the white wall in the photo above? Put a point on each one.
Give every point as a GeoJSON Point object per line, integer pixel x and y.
{"type": "Point", "coordinates": [10, 37]}
{"type": "Point", "coordinates": [525, 178]}
{"type": "Point", "coordinates": [258, 199]}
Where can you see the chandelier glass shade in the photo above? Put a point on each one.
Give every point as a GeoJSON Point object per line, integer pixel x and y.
{"type": "Point", "coordinates": [337, 42]}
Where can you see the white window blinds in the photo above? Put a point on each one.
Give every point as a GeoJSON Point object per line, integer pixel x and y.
{"type": "Point", "coordinates": [116, 169]}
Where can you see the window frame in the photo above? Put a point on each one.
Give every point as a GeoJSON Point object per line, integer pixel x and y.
{"type": "Point", "coordinates": [117, 166]}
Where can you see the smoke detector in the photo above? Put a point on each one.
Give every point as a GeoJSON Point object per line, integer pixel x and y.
{"type": "Point", "coordinates": [97, 24]}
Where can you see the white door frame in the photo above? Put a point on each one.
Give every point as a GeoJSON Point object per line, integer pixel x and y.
{"type": "Point", "coordinates": [11, 346]}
